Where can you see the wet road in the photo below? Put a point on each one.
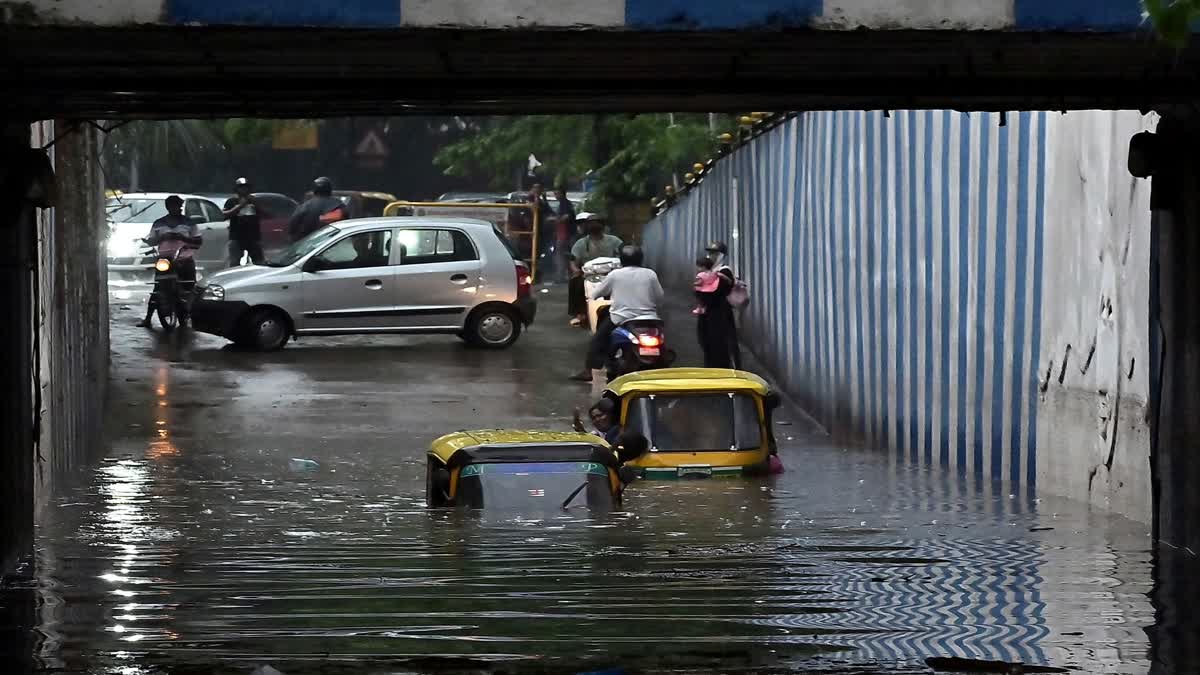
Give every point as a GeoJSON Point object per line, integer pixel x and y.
{"type": "Point", "coordinates": [198, 545]}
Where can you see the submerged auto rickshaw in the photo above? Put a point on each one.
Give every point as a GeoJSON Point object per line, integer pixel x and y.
{"type": "Point", "coordinates": [543, 471]}
{"type": "Point", "coordinates": [700, 421]}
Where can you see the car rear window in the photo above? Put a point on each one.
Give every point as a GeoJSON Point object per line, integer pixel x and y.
{"type": "Point", "coordinates": [507, 244]}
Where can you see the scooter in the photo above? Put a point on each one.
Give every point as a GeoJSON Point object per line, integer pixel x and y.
{"type": "Point", "coordinates": [172, 297]}
{"type": "Point", "coordinates": [638, 345]}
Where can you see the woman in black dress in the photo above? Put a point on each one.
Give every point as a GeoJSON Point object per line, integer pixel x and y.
{"type": "Point", "coordinates": [715, 326]}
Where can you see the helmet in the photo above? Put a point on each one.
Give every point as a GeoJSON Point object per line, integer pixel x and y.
{"type": "Point", "coordinates": [241, 182]}
{"type": "Point", "coordinates": [585, 216]}
{"type": "Point", "coordinates": [323, 186]}
{"type": "Point", "coordinates": [717, 247]}
{"type": "Point", "coordinates": [631, 256]}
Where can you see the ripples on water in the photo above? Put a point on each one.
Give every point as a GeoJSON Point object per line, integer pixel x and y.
{"type": "Point", "coordinates": [169, 560]}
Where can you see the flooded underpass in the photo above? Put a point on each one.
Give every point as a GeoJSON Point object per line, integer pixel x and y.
{"type": "Point", "coordinates": [268, 510]}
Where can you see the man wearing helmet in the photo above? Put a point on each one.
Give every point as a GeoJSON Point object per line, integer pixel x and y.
{"type": "Point", "coordinates": [635, 293]}
{"type": "Point", "coordinates": [245, 226]}
{"type": "Point", "coordinates": [317, 212]}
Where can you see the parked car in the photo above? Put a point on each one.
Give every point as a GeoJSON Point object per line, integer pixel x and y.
{"type": "Point", "coordinates": [129, 218]}
{"type": "Point", "coordinates": [275, 210]}
{"type": "Point", "coordinates": [376, 276]}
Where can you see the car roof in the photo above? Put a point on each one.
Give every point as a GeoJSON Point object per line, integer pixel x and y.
{"type": "Point", "coordinates": [689, 380]}
{"type": "Point", "coordinates": [445, 447]}
{"type": "Point", "coordinates": [412, 221]}
{"type": "Point", "coordinates": [159, 195]}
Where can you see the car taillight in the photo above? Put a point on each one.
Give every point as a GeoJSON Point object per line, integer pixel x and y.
{"type": "Point", "coordinates": [524, 281]}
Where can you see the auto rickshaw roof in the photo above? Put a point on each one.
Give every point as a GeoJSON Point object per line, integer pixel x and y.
{"type": "Point", "coordinates": [688, 381]}
{"type": "Point", "coordinates": [510, 445]}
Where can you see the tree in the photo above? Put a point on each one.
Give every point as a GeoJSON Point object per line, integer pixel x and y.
{"type": "Point", "coordinates": [630, 155]}
{"type": "Point", "coordinates": [1172, 18]}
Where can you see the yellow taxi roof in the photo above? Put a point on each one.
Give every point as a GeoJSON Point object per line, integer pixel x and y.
{"type": "Point", "coordinates": [688, 380]}
{"type": "Point", "coordinates": [447, 445]}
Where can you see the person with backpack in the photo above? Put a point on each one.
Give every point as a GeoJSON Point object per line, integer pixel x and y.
{"type": "Point", "coordinates": [318, 211]}
{"type": "Point", "coordinates": [716, 325]}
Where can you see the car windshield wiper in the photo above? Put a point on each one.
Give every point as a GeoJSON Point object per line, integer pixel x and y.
{"type": "Point", "coordinates": [571, 498]}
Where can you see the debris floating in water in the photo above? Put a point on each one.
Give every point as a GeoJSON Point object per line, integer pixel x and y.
{"type": "Point", "coordinates": [302, 464]}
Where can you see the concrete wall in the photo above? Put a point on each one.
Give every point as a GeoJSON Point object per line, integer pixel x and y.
{"type": "Point", "coordinates": [913, 275]}
{"type": "Point", "coordinates": [72, 307]}
{"type": "Point", "coordinates": [1031, 15]}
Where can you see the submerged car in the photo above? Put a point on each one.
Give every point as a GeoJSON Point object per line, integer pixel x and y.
{"type": "Point", "coordinates": [541, 471]}
{"type": "Point", "coordinates": [700, 421]}
{"type": "Point", "coordinates": [375, 276]}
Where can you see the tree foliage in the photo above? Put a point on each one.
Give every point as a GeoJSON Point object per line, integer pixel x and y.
{"type": "Point", "coordinates": [1172, 18]}
{"type": "Point", "coordinates": [630, 155]}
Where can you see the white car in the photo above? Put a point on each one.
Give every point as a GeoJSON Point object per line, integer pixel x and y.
{"type": "Point", "coordinates": [129, 219]}
{"type": "Point", "coordinates": [376, 276]}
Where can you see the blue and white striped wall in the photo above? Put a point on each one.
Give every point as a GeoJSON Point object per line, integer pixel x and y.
{"type": "Point", "coordinates": [1027, 15]}
{"type": "Point", "coordinates": [899, 273]}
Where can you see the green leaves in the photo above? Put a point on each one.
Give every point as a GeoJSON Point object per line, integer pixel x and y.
{"type": "Point", "coordinates": [1172, 18]}
{"type": "Point", "coordinates": [631, 155]}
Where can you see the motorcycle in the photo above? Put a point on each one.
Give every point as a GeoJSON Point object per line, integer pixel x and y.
{"type": "Point", "coordinates": [172, 297]}
{"type": "Point", "coordinates": [638, 345]}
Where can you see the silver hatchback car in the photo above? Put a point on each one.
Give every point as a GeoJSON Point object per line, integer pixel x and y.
{"type": "Point", "coordinates": [376, 276]}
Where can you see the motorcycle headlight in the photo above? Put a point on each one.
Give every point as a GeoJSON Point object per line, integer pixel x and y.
{"type": "Point", "coordinates": [162, 265]}
{"type": "Point", "coordinates": [214, 292]}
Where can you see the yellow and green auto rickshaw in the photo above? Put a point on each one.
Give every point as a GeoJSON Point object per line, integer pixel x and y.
{"type": "Point", "coordinates": [544, 471]}
{"type": "Point", "coordinates": [699, 421]}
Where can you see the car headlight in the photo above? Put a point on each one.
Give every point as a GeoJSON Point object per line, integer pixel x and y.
{"type": "Point", "coordinates": [120, 247]}
{"type": "Point", "coordinates": [213, 292]}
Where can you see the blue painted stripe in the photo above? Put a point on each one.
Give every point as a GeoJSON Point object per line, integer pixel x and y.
{"type": "Point", "coordinates": [1078, 15]}
{"type": "Point", "coordinates": [885, 344]}
{"type": "Point", "coordinates": [719, 14]}
{"type": "Point", "coordinates": [1023, 386]}
{"type": "Point", "coordinates": [964, 283]}
{"type": "Point", "coordinates": [944, 353]}
{"type": "Point", "coordinates": [931, 161]}
{"type": "Point", "coordinates": [347, 13]}
{"type": "Point", "coordinates": [1036, 341]}
{"type": "Point", "coordinates": [981, 269]}
{"type": "Point", "coordinates": [901, 307]}
{"type": "Point", "coordinates": [1000, 303]}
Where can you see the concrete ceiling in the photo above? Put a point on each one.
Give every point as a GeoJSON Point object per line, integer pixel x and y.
{"type": "Point", "coordinates": [163, 72]}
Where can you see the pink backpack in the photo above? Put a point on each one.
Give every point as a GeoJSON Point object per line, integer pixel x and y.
{"type": "Point", "coordinates": [739, 295]}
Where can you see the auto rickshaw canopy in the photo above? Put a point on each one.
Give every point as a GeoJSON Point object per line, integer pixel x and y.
{"type": "Point", "coordinates": [688, 380]}
{"type": "Point", "coordinates": [509, 446]}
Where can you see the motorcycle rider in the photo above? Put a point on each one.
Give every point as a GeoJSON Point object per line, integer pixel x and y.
{"type": "Point", "coordinates": [245, 225]}
{"type": "Point", "coordinates": [173, 233]}
{"type": "Point", "coordinates": [318, 211]}
{"type": "Point", "coordinates": [635, 293]}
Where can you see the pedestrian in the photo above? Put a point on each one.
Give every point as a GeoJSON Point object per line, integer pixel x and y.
{"type": "Point", "coordinates": [547, 226]}
{"type": "Point", "coordinates": [562, 234]}
{"type": "Point", "coordinates": [706, 281]}
{"type": "Point", "coordinates": [245, 225]}
{"type": "Point", "coordinates": [716, 326]}
{"type": "Point", "coordinates": [596, 244]}
{"type": "Point", "coordinates": [318, 211]}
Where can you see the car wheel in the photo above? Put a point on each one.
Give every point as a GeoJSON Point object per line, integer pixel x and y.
{"type": "Point", "coordinates": [493, 328]}
{"type": "Point", "coordinates": [267, 330]}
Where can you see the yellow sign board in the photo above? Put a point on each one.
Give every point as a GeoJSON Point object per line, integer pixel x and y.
{"type": "Point", "coordinates": [295, 136]}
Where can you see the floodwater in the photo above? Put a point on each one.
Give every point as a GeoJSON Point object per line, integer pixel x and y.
{"type": "Point", "coordinates": [198, 544]}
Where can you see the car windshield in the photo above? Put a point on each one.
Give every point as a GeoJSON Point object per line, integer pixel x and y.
{"type": "Point", "coordinates": [303, 247]}
{"type": "Point", "coordinates": [540, 487]}
{"type": "Point", "coordinates": [135, 210]}
{"type": "Point", "coordinates": [698, 422]}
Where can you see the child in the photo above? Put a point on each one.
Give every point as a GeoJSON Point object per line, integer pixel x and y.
{"type": "Point", "coordinates": [706, 281]}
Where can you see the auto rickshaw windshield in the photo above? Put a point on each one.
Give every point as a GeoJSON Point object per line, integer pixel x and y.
{"type": "Point", "coordinates": [541, 487]}
{"type": "Point", "coordinates": [697, 422]}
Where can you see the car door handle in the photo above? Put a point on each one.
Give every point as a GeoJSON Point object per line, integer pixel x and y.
{"type": "Point", "coordinates": [459, 279]}
{"type": "Point", "coordinates": [374, 284]}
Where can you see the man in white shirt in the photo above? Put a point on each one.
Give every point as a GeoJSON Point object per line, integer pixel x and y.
{"type": "Point", "coordinates": [635, 293]}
